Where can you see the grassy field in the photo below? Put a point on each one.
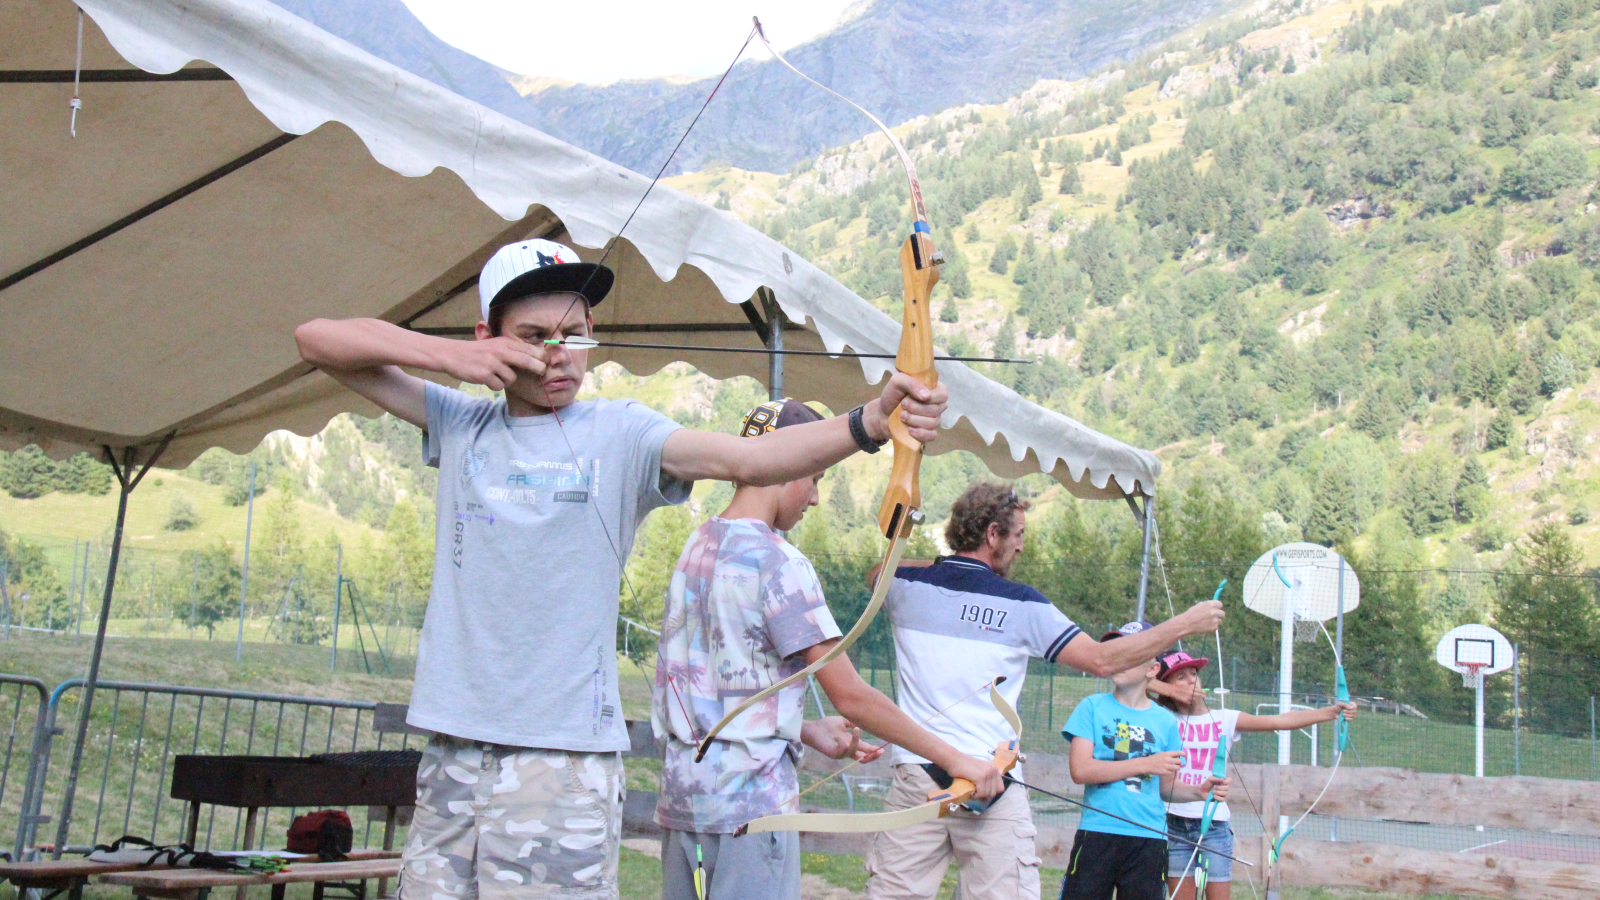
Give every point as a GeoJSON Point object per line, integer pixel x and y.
{"type": "Point", "coordinates": [56, 520]}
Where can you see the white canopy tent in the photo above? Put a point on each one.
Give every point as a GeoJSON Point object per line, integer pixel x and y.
{"type": "Point", "coordinates": [237, 171]}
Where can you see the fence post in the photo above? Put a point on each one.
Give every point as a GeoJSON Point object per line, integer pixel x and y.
{"type": "Point", "coordinates": [1594, 761]}
{"type": "Point", "coordinates": [1271, 824]}
{"type": "Point", "coordinates": [244, 573]}
{"type": "Point", "coordinates": [1516, 708]}
{"type": "Point", "coordinates": [338, 598]}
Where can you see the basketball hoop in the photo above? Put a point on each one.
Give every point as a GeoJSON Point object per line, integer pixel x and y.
{"type": "Point", "coordinates": [1475, 651]}
{"type": "Point", "coordinates": [1306, 631]}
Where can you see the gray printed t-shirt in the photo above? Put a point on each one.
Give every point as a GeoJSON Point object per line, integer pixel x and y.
{"type": "Point", "coordinates": [519, 642]}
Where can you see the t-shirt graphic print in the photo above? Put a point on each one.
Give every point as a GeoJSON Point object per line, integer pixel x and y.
{"type": "Point", "coordinates": [1121, 732]}
{"type": "Point", "coordinates": [534, 516]}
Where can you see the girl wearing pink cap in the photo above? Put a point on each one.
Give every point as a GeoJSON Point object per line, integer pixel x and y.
{"type": "Point", "coordinates": [1178, 689]}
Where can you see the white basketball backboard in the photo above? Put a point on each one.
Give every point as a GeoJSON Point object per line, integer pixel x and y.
{"type": "Point", "coordinates": [1475, 644]}
{"type": "Point", "coordinates": [1313, 588]}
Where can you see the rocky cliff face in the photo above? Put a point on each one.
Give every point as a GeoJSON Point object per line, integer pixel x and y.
{"type": "Point", "coordinates": [900, 58]}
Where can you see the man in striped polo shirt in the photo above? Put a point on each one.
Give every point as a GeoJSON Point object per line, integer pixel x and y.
{"type": "Point", "coordinates": [958, 624]}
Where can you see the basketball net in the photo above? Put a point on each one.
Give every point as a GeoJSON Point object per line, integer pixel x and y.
{"type": "Point", "coordinates": [1305, 630]}
{"type": "Point", "coordinates": [1474, 672]}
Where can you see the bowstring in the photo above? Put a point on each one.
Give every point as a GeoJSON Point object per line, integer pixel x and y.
{"type": "Point", "coordinates": [1222, 700]}
{"type": "Point", "coordinates": [580, 295]}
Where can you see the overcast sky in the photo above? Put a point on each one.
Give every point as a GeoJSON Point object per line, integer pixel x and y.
{"type": "Point", "coordinates": [607, 40]}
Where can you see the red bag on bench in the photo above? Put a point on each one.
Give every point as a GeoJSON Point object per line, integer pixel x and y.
{"type": "Point", "coordinates": [327, 833]}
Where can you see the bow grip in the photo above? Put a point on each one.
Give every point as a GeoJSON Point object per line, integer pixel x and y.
{"type": "Point", "coordinates": [961, 790]}
{"type": "Point", "coordinates": [1341, 692]}
{"type": "Point", "coordinates": [914, 357]}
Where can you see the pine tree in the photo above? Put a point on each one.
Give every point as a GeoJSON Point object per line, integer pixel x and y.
{"type": "Point", "coordinates": [948, 313]}
{"type": "Point", "coordinates": [1005, 250]}
{"type": "Point", "coordinates": [1071, 183]}
{"type": "Point", "coordinates": [279, 544]}
{"type": "Point", "coordinates": [954, 273]}
{"type": "Point", "coordinates": [214, 579]}
{"type": "Point", "coordinates": [1114, 155]}
{"type": "Point", "coordinates": [1005, 341]}
{"type": "Point", "coordinates": [27, 473]}
{"type": "Point", "coordinates": [1472, 492]}
{"type": "Point", "coordinates": [1501, 429]}
{"type": "Point", "coordinates": [1030, 194]}
{"type": "Point", "coordinates": [1545, 602]}
{"type": "Point", "coordinates": [1378, 416]}
{"type": "Point", "coordinates": [1335, 507]}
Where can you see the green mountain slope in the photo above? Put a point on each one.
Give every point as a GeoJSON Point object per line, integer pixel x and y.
{"type": "Point", "coordinates": [1344, 261]}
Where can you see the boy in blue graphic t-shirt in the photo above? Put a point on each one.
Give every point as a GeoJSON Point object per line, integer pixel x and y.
{"type": "Point", "coordinates": [1126, 752]}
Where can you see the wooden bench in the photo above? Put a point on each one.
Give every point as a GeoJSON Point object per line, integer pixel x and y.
{"type": "Point", "coordinates": [54, 876]}
{"type": "Point", "coordinates": [195, 884]}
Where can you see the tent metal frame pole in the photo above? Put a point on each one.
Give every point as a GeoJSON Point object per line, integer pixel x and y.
{"type": "Point", "coordinates": [126, 485]}
{"type": "Point", "coordinates": [107, 76]}
{"type": "Point", "coordinates": [1146, 521]}
{"type": "Point", "coordinates": [148, 209]}
{"type": "Point", "coordinates": [774, 340]}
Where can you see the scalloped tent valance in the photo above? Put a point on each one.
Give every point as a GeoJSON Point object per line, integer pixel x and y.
{"type": "Point", "coordinates": [153, 268]}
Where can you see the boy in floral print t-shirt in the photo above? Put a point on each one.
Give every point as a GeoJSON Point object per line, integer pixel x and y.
{"type": "Point", "coordinates": [745, 609]}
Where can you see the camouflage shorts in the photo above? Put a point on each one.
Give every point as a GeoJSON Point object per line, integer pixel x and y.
{"type": "Point", "coordinates": [516, 823]}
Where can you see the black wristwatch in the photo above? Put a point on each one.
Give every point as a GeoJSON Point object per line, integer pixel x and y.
{"type": "Point", "coordinates": [858, 432]}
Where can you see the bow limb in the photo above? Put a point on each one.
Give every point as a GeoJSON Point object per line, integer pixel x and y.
{"type": "Point", "coordinates": [899, 148]}
{"type": "Point", "coordinates": [847, 823]}
{"type": "Point", "coordinates": [891, 561]}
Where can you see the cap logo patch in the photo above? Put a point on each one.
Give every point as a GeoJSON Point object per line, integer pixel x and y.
{"type": "Point", "coordinates": [550, 260]}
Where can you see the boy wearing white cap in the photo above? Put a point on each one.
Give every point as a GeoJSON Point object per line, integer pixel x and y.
{"type": "Point", "coordinates": [519, 794]}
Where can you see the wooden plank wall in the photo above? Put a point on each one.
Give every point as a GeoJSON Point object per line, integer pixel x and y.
{"type": "Point", "coordinates": [1535, 804]}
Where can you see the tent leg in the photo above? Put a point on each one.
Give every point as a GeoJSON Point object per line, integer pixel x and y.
{"type": "Point", "coordinates": [775, 323]}
{"type": "Point", "coordinates": [126, 486]}
{"type": "Point", "coordinates": [1147, 520]}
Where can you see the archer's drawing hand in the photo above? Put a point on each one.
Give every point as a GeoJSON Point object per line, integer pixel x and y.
{"type": "Point", "coordinates": [986, 779]}
{"type": "Point", "coordinates": [1184, 694]}
{"type": "Point", "coordinates": [1203, 618]}
{"type": "Point", "coordinates": [493, 363]}
{"type": "Point", "coordinates": [836, 738]}
{"type": "Point", "coordinates": [921, 410]}
{"type": "Point", "coordinates": [1165, 764]}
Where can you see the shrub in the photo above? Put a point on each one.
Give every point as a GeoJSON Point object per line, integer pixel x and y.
{"type": "Point", "coordinates": [1550, 163]}
{"type": "Point", "coordinates": [181, 514]}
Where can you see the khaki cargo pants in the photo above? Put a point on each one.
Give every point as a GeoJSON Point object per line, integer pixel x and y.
{"type": "Point", "coordinates": [994, 850]}
{"type": "Point", "coordinates": [513, 823]}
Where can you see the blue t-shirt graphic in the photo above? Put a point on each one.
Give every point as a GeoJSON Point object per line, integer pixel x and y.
{"type": "Point", "coordinates": [1119, 732]}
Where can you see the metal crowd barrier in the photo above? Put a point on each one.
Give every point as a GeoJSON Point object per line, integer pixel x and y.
{"type": "Point", "coordinates": [22, 746]}
{"type": "Point", "coordinates": [136, 730]}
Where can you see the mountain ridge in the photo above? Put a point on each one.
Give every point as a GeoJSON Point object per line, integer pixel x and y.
{"type": "Point", "coordinates": [900, 58]}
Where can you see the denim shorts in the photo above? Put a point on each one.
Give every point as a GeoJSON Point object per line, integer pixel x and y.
{"type": "Point", "coordinates": [1219, 839]}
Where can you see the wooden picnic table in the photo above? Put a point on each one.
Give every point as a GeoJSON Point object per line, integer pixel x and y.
{"type": "Point", "coordinates": [195, 884]}
{"type": "Point", "coordinates": [56, 875]}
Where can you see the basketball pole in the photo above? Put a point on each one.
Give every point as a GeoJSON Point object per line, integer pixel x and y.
{"type": "Point", "coordinates": [1286, 684]}
{"type": "Point", "coordinates": [1478, 712]}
